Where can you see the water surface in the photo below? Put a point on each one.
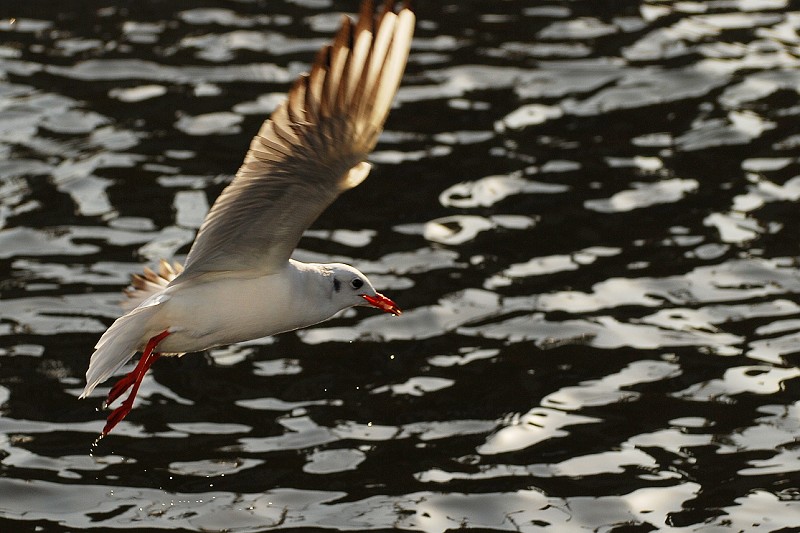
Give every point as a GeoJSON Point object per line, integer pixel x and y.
{"type": "Point", "coordinates": [587, 210]}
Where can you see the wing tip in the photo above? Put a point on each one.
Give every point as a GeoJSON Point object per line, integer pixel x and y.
{"type": "Point", "coordinates": [314, 94]}
{"type": "Point", "coordinates": [149, 282]}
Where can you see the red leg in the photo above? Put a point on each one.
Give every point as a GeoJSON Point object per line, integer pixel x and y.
{"type": "Point", "coordinates": [125, 383]}
{"type": "Point", "coordinates": [134, 380]}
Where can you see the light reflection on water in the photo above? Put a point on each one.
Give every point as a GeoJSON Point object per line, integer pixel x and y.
{"type": "Point", "coordinates": [586, 212]}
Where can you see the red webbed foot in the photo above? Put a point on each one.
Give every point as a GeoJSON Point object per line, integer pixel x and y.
{"type": "Point", "coordinates": [131, 381]}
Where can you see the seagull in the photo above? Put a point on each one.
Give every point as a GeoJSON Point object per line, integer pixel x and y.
{"type": "Point", "coordinates": [239, 282]}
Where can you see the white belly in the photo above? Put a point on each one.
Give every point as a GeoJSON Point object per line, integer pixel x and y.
{"type": "Point", "coordinates": [226, 310]}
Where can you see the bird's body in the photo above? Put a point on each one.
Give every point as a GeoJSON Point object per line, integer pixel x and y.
{"type": "Point", "coordinates": [244, 307]}
{"type": "Point", "coordinates": [225, 307]}
{"type": "Point", "coordinates": [239, 282]}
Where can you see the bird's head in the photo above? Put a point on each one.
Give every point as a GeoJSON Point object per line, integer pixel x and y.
{"type": "Point", "coordinates": [350, 287]}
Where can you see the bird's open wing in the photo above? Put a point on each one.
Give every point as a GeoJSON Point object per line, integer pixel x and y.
{"type": "Point", "coordinates": [311, 149]}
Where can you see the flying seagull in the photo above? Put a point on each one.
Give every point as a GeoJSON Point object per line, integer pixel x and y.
{"type": "Point", "coordinates": [238, 282]}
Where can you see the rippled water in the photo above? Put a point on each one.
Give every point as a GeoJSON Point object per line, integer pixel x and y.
{"type": "Point", "coordinates": [588, 211]}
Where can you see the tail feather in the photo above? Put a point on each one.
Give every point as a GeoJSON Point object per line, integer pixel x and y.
{"type": "Point", "coordinates": [126, 336]}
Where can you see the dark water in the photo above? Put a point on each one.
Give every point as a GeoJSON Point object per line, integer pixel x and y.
{"type": "Point", "coordinates": [587, 209]}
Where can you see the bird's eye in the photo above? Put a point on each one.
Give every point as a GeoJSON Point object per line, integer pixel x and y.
{"type": "Point", "coordinates": [357, 283]}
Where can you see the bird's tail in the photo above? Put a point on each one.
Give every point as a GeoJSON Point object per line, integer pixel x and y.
{"type": "Point", "coordinates": [127, 335]}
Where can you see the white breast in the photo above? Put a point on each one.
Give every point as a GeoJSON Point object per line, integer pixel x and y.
{"type": "Point", "coordinates": [217, 310]}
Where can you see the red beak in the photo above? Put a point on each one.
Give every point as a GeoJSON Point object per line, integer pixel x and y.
{"type": "Point", "coordinates": [383, 303]}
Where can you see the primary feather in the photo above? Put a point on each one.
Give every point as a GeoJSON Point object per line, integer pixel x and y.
{"type": "Point", "coordinates": [311, 149]}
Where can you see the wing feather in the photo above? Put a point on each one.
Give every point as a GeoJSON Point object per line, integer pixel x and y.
{"type": "Point", "coordinates": [311, 149]}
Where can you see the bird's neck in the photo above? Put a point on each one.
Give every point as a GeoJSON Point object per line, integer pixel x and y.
{"type": "Point", "coordinates": [312, 286]}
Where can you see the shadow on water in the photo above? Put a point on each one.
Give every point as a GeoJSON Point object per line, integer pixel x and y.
{"type": "Point", "coordinates": [586, 209]}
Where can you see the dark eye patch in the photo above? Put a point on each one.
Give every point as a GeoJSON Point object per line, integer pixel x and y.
{"type": "Point", "coordinates": [336, 284]}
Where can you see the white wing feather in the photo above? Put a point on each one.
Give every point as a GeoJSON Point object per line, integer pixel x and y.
{"type": "Point", "coordinates": [311, 149]}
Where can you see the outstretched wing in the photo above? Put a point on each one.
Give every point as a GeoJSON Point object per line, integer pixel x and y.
{"type": "Point", "coordinates": [311, 149]}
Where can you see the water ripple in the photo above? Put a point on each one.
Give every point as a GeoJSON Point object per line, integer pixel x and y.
{"type": "Point", "coordinates": [586, 212]}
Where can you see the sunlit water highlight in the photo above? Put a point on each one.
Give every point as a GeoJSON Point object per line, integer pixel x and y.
{"type": "Point", "coordinates": [587, 211]}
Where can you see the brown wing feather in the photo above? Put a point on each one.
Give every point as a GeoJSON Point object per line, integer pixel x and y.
{"type": "Point", "coordinates": [310, 149]}
{"type": "Point", "coordinates": [150, 282]}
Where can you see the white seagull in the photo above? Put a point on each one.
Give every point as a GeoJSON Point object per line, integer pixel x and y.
{"type": "Point", "coordinates": [239, 282]}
